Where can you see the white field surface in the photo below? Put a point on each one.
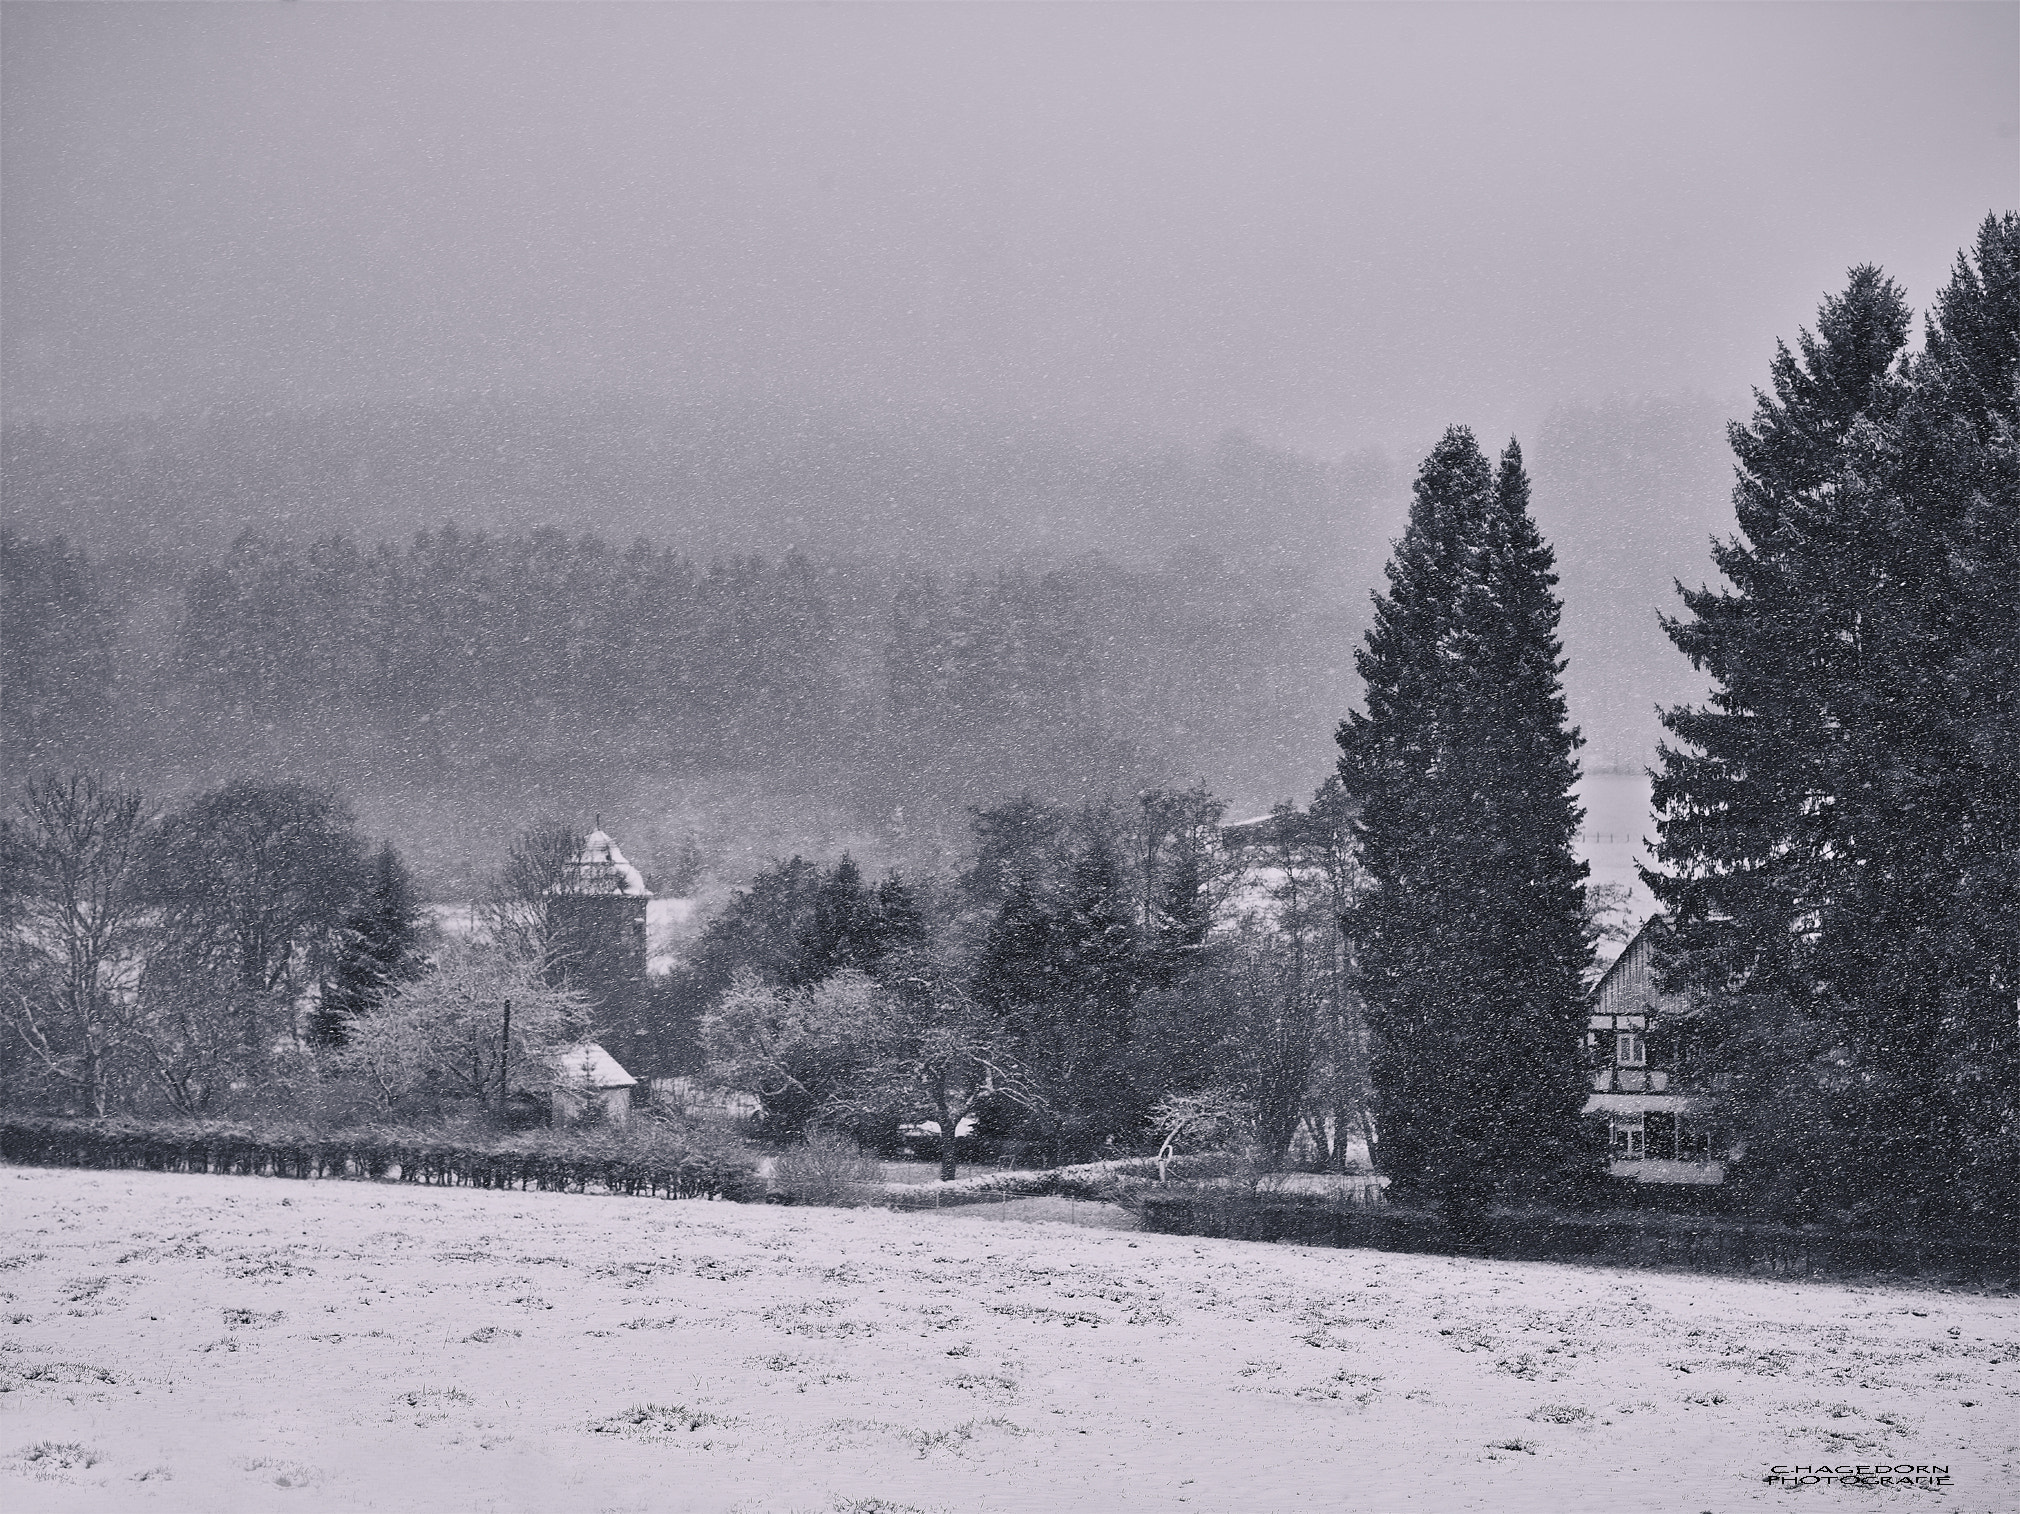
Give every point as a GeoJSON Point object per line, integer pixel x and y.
{"type": "Point", "coordinates": [225, 1344]}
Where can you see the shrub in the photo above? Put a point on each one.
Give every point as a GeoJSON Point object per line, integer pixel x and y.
{"type": "Point", "coordinates": [828, 1169]}
{"type": "Point", "coordinates": [1116, 1180]}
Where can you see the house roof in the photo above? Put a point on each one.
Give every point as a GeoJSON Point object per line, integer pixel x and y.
{"type": "Point", "coordinates": [590, 1063]}
{"type": "Point", "coordinates": [599, 868]}
{"type": "Point", "coordinates": [1636, 961]}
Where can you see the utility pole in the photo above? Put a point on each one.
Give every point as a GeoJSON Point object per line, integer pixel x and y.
{"type": "Point", "coordinates": [504, 1059]}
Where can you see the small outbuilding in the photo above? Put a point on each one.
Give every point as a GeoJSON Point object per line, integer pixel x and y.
{"type": "Point", "coordinates": [593, 1085]}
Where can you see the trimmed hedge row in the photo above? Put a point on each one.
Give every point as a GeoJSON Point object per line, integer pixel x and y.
{"type": "Point", "coordinates": [1615, 1238]}
{"type": "Point", "coordinates": [657, 1166]}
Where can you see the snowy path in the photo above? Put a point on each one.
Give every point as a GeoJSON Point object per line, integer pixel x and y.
{"type": "Point", "coordinates": [225, 1344]}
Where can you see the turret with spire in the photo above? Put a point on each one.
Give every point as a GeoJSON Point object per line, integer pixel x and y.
{"type": "Point", "coordinates": [596, 931]}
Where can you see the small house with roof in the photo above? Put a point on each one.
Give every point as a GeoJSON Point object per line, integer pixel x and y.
{"type": "Point", "coordinates": [593, 1086]}
{"type": "Point", "coordinates": [1644, 1048]}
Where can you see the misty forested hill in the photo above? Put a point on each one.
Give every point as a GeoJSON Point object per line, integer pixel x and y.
{"type": "Point", "coordinates": [714, 479]}
{"type": "Point", "coordinates": [769, 628]}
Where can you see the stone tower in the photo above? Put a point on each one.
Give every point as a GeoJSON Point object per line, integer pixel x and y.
{"type": "Point", "coordinates": [596, 924]}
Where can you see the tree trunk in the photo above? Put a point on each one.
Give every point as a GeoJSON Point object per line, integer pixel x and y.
{"type": "Point", "coordinates": [950, 1124]}
{"type": "Point", "coordinates": [94, 1074]}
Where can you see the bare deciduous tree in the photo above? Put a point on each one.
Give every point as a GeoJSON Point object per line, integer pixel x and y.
{"type": "Point", "coordinates": [933, 1053]}
{"type": "Point", "coordinates": [513, 909]}
{"type": "Point", "coordinates": [73, 865]}
{"type": "Point", "coordinates": [1187, 1118]}
{"type": "Point", "coordinates": [251, 883]}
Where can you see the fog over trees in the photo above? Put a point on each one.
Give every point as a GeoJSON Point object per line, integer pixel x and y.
{"type": "Point", "coordinates": [1168, 303]}
{"type": "Point", "coordinates": [369, 597]}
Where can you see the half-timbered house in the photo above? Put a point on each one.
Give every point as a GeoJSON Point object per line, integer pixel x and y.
{"type": "Point", "coordinates": [1648, 1078]}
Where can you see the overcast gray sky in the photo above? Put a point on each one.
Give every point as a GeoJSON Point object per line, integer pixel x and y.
{"type": "Point", "coordinates": [1330, 226]}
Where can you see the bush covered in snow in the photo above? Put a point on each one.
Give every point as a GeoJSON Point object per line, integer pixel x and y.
{"type": "Point", "coordinates": [1085, 1180]}
{"type": "Point", "coordinates": [827, 1169]}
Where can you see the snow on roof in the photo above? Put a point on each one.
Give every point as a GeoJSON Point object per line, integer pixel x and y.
{"type": "Point", "coordinates": [590, 1063]}
{"type": "Point", "coordinates": [599, 868]}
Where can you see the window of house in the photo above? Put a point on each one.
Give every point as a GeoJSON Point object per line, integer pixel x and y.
{"type": "Point", "coordinates": [1629, 1140]}
{"type": "Point", "coordinates": [1694, 1140]}
{"type": "Point", "coordinates": [1629, 1050]}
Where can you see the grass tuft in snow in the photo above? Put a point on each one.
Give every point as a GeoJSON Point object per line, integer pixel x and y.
{"type": "Point", "coordinates": [1561, 1414]}
{"type": "Point", "coordinates": [649, 1421]}
{"type": "Point", "coordinates": [67, 1372]}
{"type": "Point", "coordinates": [57, 1456]}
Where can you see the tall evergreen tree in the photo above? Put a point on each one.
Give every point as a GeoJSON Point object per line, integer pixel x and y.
{"type": "Point", "coordinates": [844, 931]}
{"type": "Point", "coordinates": [1531, 882]}
{"type": "Point", "coordinates": [1841, 840]}
{"type": "Point", "coordinates": [1469, 931]}
{"type": "Point", "coordinates": [1059, 971]}
{"type": "Point", "coordinates": [1964, 430]}
{"type": "Point", "coordinates": [380, 950]}
{"type": "Point", "coordinates": [1749, 821]}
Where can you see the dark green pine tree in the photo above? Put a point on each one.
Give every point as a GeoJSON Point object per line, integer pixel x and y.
{"type": "Point", "coordinates": [844, 932]}
{"type": "Point", "coordinates": [1881, 1082]}
{"type": "Point", "coordinates": [1097, 918]}
{"type": "Point", "coordinates": [1181, 918]}
{"type": "Point", "coordinates": [1753, 837]}
{"type": "Point", "coordinates": [1963, 437]}
{"type": "Point", "coordinates": [1098, 974]}
{"type": "Point", "coordinates": [381, 949]}
{"type": "Point", "coordinates": [1469, 937]}
{"type": "Point", "coordinates": [1530, 882]}
{"type": "Point", "coordinates": [901, 920]}
{"type": "Point", "coordinates": [1396, 755]}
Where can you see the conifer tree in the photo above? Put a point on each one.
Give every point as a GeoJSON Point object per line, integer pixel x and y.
{"type": "Point", "coordinates": [1749, 821]}
{"type": "Point", "coordinates": [1841, 840]}
{"type": "Point", "coordinates": [1469, 931]}
{"type": "Point", "coordinates": [381, 948]}
{"type": "Point", "coordinates": [1533, 898]}
{"type": "Point", "coordinates": [844, 930]}
{"type": "Point", "coordinates": [1964, 430]}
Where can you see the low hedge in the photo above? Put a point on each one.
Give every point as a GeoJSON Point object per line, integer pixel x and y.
{"type": "Point", "coordinates": [659, 1165]}
{"type": "Point", "coordinates": [1703, 1243]}
{"type": "Point", "coordinates": [1086, 1180]}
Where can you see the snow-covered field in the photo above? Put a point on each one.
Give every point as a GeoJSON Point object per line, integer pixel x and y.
{"type": "Point", "coordinates": [223, 1344]}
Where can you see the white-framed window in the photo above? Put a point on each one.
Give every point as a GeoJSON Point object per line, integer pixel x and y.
{"type": "Point", "coordinates": [1630, 1138]}
{"type": "Point", "coordinates": [1629, 1050]}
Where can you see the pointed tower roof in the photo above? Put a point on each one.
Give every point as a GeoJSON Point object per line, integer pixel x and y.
{"type": "Point", "coordinates": [600, 868]}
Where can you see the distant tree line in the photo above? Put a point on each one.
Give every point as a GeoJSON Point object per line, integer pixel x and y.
{"type": "Point", "coordinates": [56, 646]}
{"type": "Point", "coordinates": [476, 635]}
{"type": "Point", "coordinates": [472, 653]}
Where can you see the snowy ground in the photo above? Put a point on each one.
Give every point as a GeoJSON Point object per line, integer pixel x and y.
{"type": "Point", "coordinates": [223, 1344]}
